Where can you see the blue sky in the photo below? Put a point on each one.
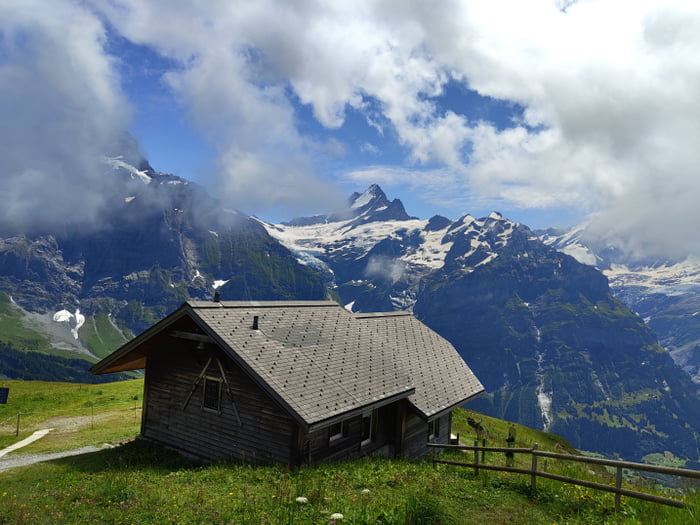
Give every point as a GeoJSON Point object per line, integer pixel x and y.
{"type": "Point", "coordinates": [549, 111]}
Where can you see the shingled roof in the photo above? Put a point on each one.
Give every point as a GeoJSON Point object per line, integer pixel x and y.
{"type": "Point", "coordinates": [320, 361]}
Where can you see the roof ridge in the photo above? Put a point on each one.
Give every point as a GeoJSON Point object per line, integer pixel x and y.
{"type": "Point", "coordinates": [369, 315]}
{"type": "Point", "coordinates": [261, 304]}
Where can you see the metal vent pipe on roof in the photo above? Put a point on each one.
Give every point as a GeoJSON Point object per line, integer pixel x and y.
{"type": "Point", "coordinates": [255, 322]}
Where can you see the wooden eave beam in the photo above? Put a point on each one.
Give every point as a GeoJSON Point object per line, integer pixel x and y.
{"type": "Point", "coordinates": [190, 336]}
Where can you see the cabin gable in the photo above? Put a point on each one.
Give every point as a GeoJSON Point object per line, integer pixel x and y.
{"type": "Point", "coordinates": [247, 424]}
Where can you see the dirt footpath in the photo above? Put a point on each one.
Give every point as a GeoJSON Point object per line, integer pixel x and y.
{"type": "Point", "coordinates": [21, 460]}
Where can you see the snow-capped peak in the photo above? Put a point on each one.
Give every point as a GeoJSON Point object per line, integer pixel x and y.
{"type": "Point", "coordinates": [370, 194]}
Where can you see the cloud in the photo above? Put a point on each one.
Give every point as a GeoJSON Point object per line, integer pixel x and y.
{"type": "Point", "coordinates": [608, 91]}
{"type": "Point", "coordinates": [233, 81]}
{"type": "Point", "coordinates": [368, 147]}
{"type": "Point", "coordinates": [62, 112]}
{"type": "Point", "coordinates": [383, 267]}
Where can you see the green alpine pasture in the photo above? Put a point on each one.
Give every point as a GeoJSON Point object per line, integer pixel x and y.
{"type": "Point", "coordinates": [136, 482]}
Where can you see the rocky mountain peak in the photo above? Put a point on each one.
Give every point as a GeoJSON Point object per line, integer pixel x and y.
{"type": "Point", "coordinates": [373, 194]}
{"type": "Point", "coordinates": [372, 205]}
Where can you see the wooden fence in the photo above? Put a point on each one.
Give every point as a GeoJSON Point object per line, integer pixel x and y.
{"type": "Point", "coordinates": [534, 473]}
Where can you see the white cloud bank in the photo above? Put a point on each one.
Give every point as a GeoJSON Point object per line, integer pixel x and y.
{"type": "Point", "coordinates": [609, 90]}
{"type": "Point", "coordinates": [62, 111]}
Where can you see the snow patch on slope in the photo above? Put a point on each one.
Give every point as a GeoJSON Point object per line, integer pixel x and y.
{"type": "Point", "coordinates": [667, 279]}
{"type": "Point", "coordinates": [76, 320]}
{"type": "Point", "coordinates": [316, 239]}
{"type": "Point", "coordinates": [580, 253]}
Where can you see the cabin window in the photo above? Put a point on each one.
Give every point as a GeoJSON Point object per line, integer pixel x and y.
{"type": "Point", "coordinates": [212, 394]}
{"type": "Point", "coordinates": [335, 431]}
{"type": "Point", "coordinates": [369, 423]}
{"type": "Point", "coordinates": [434, 428]}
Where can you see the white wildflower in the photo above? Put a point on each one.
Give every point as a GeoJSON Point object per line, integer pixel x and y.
{"type": "Point", "coordinates": [302, 499]}
{"type": "Point", "coordinates": [337, 516]}
{"type": "Point", "coordinates": [364, 491]}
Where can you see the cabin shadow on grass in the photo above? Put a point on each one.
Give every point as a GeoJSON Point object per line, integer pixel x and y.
{"type": "Point", "coordinates": [132, 455]}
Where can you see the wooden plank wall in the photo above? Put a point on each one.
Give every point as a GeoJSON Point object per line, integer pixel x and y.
{"type": "Point", "coordinates": [416, 436]}
{"type": "Point", "coordinates": [266, 435]}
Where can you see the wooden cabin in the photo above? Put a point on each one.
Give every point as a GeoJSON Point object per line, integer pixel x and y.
{"type": "Point", "coordinates": [294, 382]}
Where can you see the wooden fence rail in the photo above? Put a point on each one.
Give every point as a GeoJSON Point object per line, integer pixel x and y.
{"type": "Point", "coordinates": [533, 471]}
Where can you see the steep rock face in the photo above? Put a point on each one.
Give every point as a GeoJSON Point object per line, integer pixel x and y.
{"type": "Point", "coordinates": [555, 351]}
{"type": "Point", "coordinates": [665, 293]}
{"type": "Point", "coordinates": [34, 272]}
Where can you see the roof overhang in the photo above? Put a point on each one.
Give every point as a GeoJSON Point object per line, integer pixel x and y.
{"type": "Point", "coordinates": [133, 355]}
{"type": "Point", "coordinates": [449, 409]}
{"type": "Point", "coordinates": [356, 412]}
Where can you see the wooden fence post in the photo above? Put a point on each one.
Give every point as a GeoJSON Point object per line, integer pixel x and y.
{"type": "Point", "coordinates": [476, 457]}
{"type": "Point", "coordinates": [19, 416]}
{"type": "Point", "coordinates": [510, 440]}
{"type": "Point", "coordinates": [533, 479]}
{"type": "Point", "coordinates": [618, 486]}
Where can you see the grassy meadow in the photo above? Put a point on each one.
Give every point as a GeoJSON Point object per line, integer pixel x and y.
{"type": "Point", "coordinates": [141, 483]}
{"type": "Point", "coordinates": [80, 414]}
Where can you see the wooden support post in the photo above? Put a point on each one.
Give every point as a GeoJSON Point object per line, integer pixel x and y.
{"type": "Point", "coordinates": [618, 486]}
{"type": "Point", "coordinates": [476, 457]}
{"type": "Point", "coordinates": [483, 452]}
{"type": "Point", "coordinates": [194, 385]}
{"type": "Point", "coordinates": [19, 417]}
{"type": "Point", "coordinates": [533, 480]}
{"type": "Point", "coordinates": [229, 392]}
{"type": "Point", "coordinates": [510, 440]}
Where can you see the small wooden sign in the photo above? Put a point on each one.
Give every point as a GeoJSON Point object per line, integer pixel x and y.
{"type": "Point", "coordinates": [4, 392]}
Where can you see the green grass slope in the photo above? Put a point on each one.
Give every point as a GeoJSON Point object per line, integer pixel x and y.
{"type": "Point", "coordinates": [101, 335]}
{"type": "Point", "coordinates": [32, 347]}
{"type": "Point", "coordinates": [16, 330]}
{"type": "Point", "coordinates": [138, 482]}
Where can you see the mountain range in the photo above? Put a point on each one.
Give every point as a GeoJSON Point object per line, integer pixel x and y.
{"type": "Point", "coordinates": [545, 333]}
